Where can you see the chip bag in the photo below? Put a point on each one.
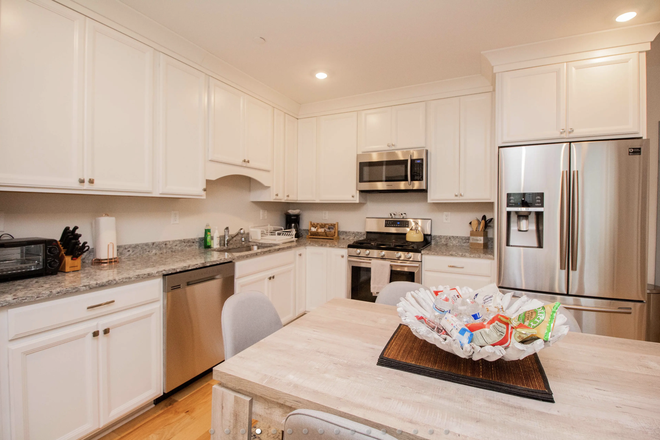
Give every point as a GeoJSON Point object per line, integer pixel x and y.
{"type": "Point", "coordinates": [541, 320]}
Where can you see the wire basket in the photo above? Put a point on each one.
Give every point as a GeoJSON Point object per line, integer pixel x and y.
{"type": "Point", "coordinates": [272, 234]}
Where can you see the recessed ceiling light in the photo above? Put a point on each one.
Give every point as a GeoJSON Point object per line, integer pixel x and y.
{"type": "Point", "coordinates": [625, 17]}
{"type": "Point", "coordinates": [321, 75]}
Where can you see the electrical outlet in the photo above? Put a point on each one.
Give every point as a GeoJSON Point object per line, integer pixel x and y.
{"type": "Point", "coordinates": [446, 217]}
{"type": "Point", "coordinates": [325, 215]}
{"type": "Point", "coordinates": [2, 221]}
{"type": "Point", "coordinates": [175, 217]}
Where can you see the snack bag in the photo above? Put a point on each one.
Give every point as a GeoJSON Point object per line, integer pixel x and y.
{"type": "Point", "coordinates": [497, 331]}
{"type": "Point", "coordinates": [541, 320]}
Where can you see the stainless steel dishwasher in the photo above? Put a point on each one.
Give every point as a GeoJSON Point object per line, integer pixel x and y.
{"type": "Point", "coordinates": [193, 332]}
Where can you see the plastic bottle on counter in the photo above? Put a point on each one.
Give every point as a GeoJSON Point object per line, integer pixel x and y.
{"type": "Point", "coordinates": [216, 238]}
{"type": "Point", "coordinates": [208, 240]}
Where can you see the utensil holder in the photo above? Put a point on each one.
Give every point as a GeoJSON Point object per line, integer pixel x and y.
{"type": "Point", "coordinates": [478, 239]}
{"type": "Point", "coordinates": [67, 263]}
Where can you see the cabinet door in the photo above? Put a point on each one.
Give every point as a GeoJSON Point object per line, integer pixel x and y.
{"type": "Point", "coordinates": [337, 274]}
{"type": "Point", "coordinates": [257, 282]}
{"type": "Point", "coordinates": [317, 272]}
{"type": "Point", "coordinates": [54, 384]}
{"type": "Point", "coordinates": [532, 103]}
{"type": "Point", "coordinates": [603, 96]}
{"type": "Point", "coordinates": [307, 160]}
{"type": "Point", "coordinates": [130, 361]}
{"type": "Point", "coordinates": [290, 158]}
{"type": "Point", "coordinates": [438, 279]}
{"type": "Point", "coordinates": [118, 111]}
{"type": "Point", "coordinates": [277, 190]}
{"type": "Point", "coordinates": [301, 277]}
{"type": "Point", "coordinates": [375, 129]}
{"type": "Point", "coordinates": [409, 126]}
{"type": "Point", "coordinates": [337, 164]}
{"type": "Point", "coordinates": [41, 94]}
{"type": "Point", "coordinates": [226, 121]}
{"type": "Point", "coordinates": [258, 134]}
{"type": "Point", "coordinates": [282, 292]}
{"type": "Point", "coordinates": [444, 149]}
{"type": "Point", "coordinates": [181, 128]}
{"type": "Point", "coordinates": [477, 148]}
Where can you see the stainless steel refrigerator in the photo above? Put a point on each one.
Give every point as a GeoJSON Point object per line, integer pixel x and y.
{"type": "Point", "coordinates": [572, 227]}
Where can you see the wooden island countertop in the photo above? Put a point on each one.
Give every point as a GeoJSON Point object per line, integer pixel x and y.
{"type": "Point", "coordinates": [604, 388]}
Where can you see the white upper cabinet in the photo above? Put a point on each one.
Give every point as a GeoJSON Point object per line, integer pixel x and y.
{"type": "Point", "coordinates": [259, 134]}
{"type": "Point", "coordinates": [443, 143]}
{"type": "Point", "coordinates": [583, 99]}
{"type": "Point", "coordinates": [307, 160]}
{"type": "Point", "coordinates": [337, 150]}
{"type": "Point", "coordinates": [532, 103]}
{"type": "Point", "coordinates": [181, 136]}
{"type": "Point", "coordinates": [603, 96]}
{"type": "Point", "coordinates": [240, 128]}
{"type": "Point", "coordinates": [119, 87]}
{"type": "Point", "coordinates": [461, 150]}
{"type": "Point", "coordinates": [398, 127]}
{"type": "Point", "coordinates": [41, 94]}
{"type": "Point", "coordinates": [477, 149]}
{"type": "Point", "coordinates": [277, 190]}
{"type": "Point", "coordinates": [290, 158]}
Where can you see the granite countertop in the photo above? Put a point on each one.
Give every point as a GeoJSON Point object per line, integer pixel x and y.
{"type": "Point", "coordinates": [149, 260]}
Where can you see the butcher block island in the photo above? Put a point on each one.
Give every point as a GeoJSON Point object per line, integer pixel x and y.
{"type": "Point", "coordinates": [605, 388]}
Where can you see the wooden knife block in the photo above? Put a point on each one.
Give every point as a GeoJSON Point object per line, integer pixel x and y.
{"type": "Point", "coordinates": [67, 263]}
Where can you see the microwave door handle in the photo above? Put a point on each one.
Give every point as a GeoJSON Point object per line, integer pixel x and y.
{"type": "Point", "coordinates": [409, 170]}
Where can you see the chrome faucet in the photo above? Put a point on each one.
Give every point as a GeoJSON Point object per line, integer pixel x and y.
{"type": "Point", "coordinates": [229, 237]}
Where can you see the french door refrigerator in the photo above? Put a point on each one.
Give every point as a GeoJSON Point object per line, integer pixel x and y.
{"type": "Point", "coordinates": [572, 222]}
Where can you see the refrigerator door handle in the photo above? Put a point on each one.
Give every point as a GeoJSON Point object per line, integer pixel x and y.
{"type": "Point", "coordinates": [563, 221]}
{"type": "Point", "coordinates": [575, 215]}
{"type": "Point", "coordinates": [622, 310]}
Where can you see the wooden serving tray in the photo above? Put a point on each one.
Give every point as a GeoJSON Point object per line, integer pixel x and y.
{"type": "Point", "coordinates": [524, 378]}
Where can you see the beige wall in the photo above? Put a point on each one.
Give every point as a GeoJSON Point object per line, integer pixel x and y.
{"type": "Point", "coordinates": [139, 219]}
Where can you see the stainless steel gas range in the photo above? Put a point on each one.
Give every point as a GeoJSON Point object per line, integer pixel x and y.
{"type": "Point", "coordinates": [386, 240]}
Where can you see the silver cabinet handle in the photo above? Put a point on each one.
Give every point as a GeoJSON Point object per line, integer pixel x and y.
{"type": "Point", "coordinates": [562, 131]}
{"type": "Point", "coordinates": [81, 180]}
{"type": "Point", "coordinates": [622, 310]}
{"type": "Point", "coordinates": [456, 267]}
{"type": "Point", "coordinates": [90, 180]}
{"type": "Point", "coordinates": [107, 303]}
{"type": "Point", "coordinates": [570, 130]}
{"type": "Point", "coordinates": [563, 220]}
{"type": "Point", "coordinates": [574, 222]}
{"type": "Point", "coordinates": [455, 194]}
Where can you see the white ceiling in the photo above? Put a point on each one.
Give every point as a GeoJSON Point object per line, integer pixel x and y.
{"type": "Point", "coordinates": [370, 45]}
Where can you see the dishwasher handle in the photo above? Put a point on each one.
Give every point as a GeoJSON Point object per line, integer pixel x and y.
{"type": "Point", "coordinates": [181, 280]}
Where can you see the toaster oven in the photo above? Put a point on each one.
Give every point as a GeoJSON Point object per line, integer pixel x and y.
{"type": "Point", "coordinates": [28, 257]}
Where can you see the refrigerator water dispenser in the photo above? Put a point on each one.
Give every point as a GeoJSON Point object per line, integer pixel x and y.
{"type": "Point", "coordinates": [524, 220]}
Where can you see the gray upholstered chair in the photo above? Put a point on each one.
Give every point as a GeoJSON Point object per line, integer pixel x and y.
{"type": "Point", "coordinates": [247, 318]}
{"type": "Point", "coordinates": [572, 322]}
{"type": "Point", "coordinates": [392, 292]}
{"type": "Point", "coordinates": [306, 424]}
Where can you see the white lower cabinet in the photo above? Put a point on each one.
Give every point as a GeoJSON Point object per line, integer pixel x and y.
{"type": "Point", "coordinates": [327, 272]}
{"type": "Point", "coordinates": [455, 271]}
{"type": "Point", "coordinates": [301, 277]}
{"type": "Point", "coordinates": [274, 276]}
{"type": "Point", "coordinates": [70, 381]}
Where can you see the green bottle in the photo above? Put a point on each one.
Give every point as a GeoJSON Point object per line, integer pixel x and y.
{"type": "Point", "coordinates": [208, 239]}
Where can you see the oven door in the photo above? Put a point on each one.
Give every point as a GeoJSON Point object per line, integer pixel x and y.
{"type": "Point", "coordinates": [359, 276]}
{"type": "Point", "coordinates": [392, 171]}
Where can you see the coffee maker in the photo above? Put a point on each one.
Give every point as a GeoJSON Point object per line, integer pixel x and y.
{"type": "Point", "coordinates": [293, 221]}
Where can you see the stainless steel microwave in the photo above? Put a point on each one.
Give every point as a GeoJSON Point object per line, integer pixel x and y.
{"type": "Point", "coordinates": [404, 170]}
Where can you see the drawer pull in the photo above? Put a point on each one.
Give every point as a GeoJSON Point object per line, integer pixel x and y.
{"type": "Point", "coordinates": [107, 303]}
{"type": "Point", "coordinates": [95, 333]}
{"type": "Point", "coordinates": [456, 267]}
{"type": "Point", "coordinates": [106, 331]}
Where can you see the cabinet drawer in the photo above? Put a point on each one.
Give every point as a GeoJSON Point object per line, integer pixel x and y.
{"type": "Point", "coordinates": [261, 264]}
{"type": "Point", "coordinates": [467, 266]}
{"type": "Point", "coordinates": [438, 279]}
{"type": "Point", "coordinates": [27, 320]}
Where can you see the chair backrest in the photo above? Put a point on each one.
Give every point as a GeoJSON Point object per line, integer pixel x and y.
{"type": "Point", "coordinates": [247, 318]}
{"type": "Point", "coordinates": [571, 321]}
{"type": "Point", "coordinates": [392, 292]}
{"type": "Point", "coordinates": [306, 424]}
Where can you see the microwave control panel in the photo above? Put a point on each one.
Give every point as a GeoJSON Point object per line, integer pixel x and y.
{"type": "Point", "coordinates": [417, 170]}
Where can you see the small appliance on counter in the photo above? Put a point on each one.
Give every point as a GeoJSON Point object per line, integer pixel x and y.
{"type": "Point", "coordinates": [28, 257]}
{"type": "Point", "coordinates": [292, 221]}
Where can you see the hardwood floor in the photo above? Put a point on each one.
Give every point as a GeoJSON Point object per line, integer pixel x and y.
{"type": "Point", "coordinates": [185, 415]}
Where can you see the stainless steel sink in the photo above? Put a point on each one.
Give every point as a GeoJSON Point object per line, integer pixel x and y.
{"type": "Point", "coordinates": [252, 247]}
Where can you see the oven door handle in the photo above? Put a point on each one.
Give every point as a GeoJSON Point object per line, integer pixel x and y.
{"type": "Point", "coordinates": [366, 260]}
{"type": "Point", "coordinates": [410, 170]}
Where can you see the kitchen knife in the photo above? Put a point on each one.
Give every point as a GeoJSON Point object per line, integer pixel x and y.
{"type": "Point", "coordinates": [73, 245]}
{"type": "Point", "coordinates": [65, 232]}
{"type": "Point", "coordinates": [80, 250]}
{"type": "Point", "coordinates": [482, 226]}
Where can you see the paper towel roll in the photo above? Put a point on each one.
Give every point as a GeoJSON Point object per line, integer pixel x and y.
{"type": "Point", "coordinates": [105, 237]}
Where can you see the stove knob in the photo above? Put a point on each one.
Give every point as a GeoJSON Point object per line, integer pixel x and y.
{"type": "Point", "coordinates": [367, 252]}
{"type": "Point", "coordinates": [398, 255]}
{"type": "Point", "coordinates": [358, 252]}
{"type": "Point", "coordinates": [382, 254]}
{"type": "Point", "coordinates": [409, 256]}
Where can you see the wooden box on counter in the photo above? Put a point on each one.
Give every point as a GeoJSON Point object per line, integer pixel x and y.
{"type": "Point", "coordinates": [327, 231]}
{"type": "Point", "coordinates": [479, 239]}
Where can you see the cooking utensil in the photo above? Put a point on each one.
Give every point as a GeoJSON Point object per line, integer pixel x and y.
{"type": "Point", "coordinates": [482, 225]}
{"type": "Point", "coordinates": [474, 224]}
